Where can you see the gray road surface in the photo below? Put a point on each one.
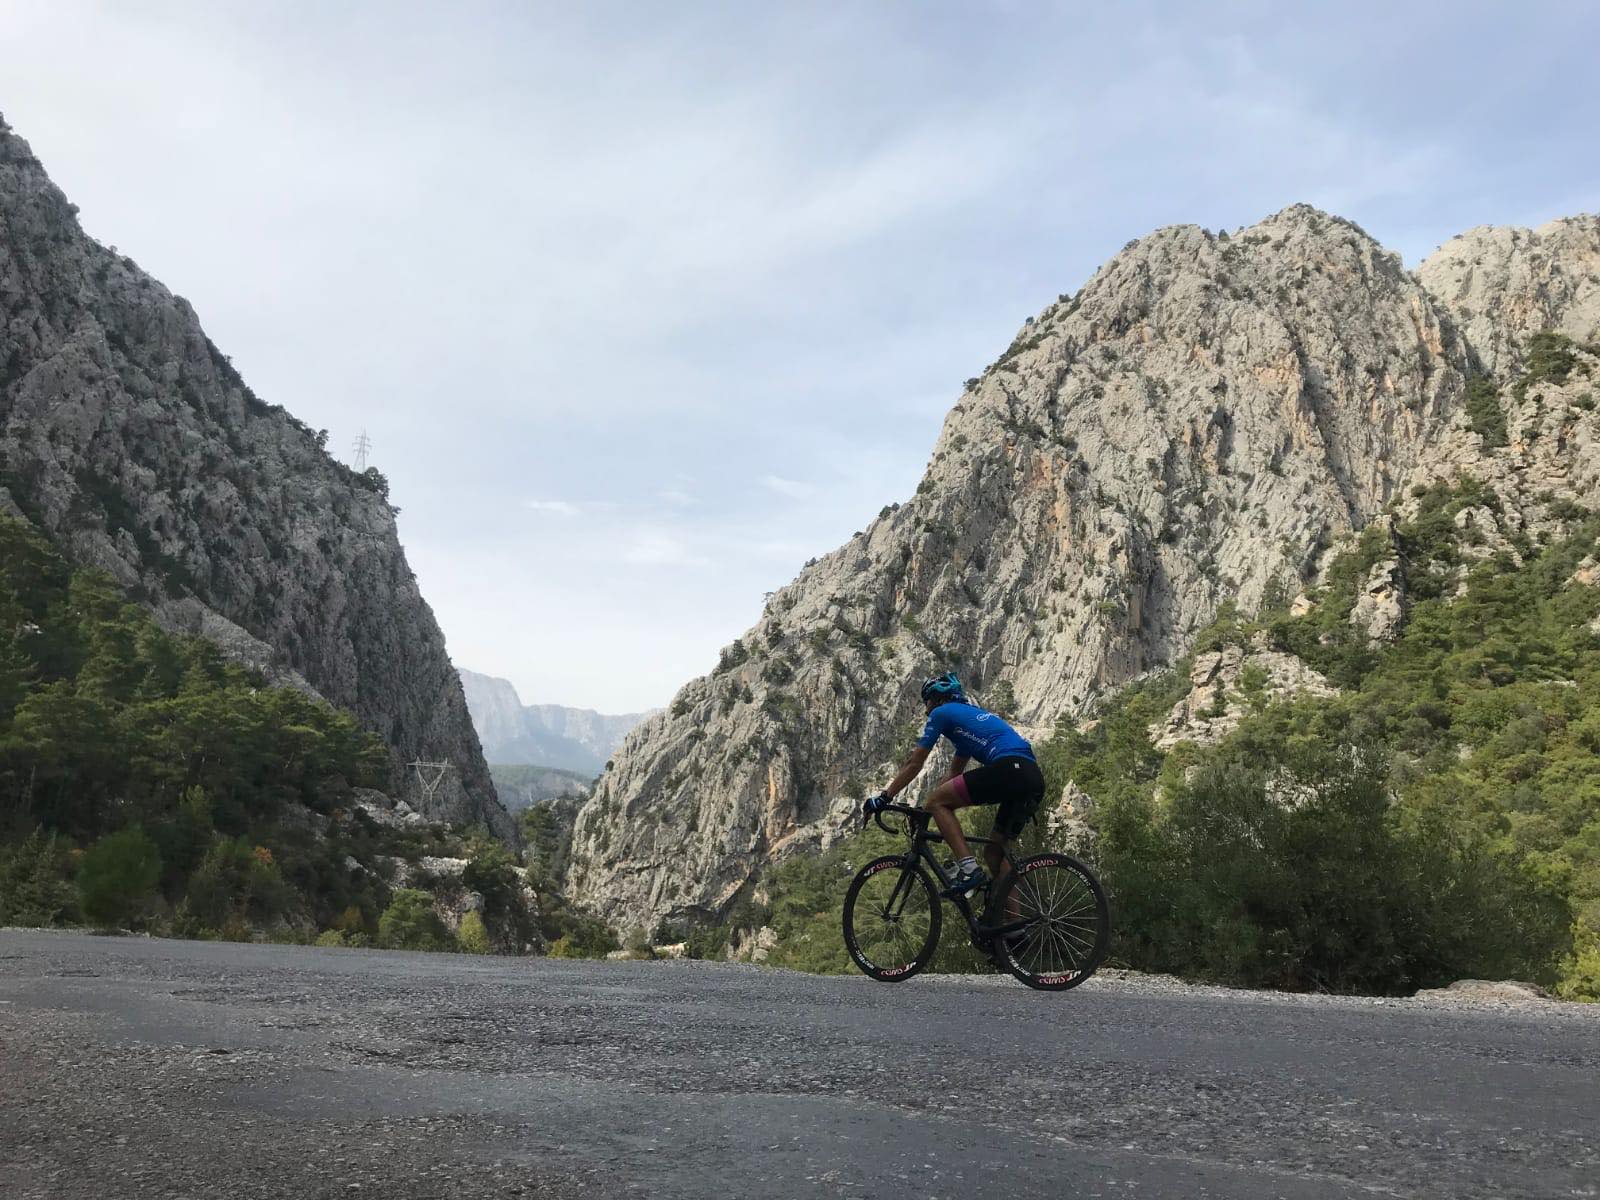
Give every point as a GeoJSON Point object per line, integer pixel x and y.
{"type": "Point", "coordinates": [133, 1068]}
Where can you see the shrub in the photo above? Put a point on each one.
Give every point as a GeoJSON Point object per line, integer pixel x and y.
{"type": "Point", "coordinates": [117, 876]}
{"type": "Point", "coordinates": [1002, 699]}
{"type": "Point", "coordinates": [472, 937]}
{"type": "Point", "coordinates": [562, 947]}
{"type": "Point", "coordinates": [409, 923]}
{"type": "Point", "coordinates": [1550, 357]}
{"type": "Point", "coordinates": [1484, 413]}
{"type": "Point", "coordinates": [33, 883]}
{"type": "Point", "coordinates": [237, 882]}
{"type": "Point", "coordinates": [1301, 876]}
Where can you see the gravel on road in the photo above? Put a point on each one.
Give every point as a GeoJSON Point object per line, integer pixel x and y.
{"type": "Point", "coordinates": [134, 1067]}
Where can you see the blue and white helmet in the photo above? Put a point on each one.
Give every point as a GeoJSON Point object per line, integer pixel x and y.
{"type": "Point", "coordinates": [943, 689]}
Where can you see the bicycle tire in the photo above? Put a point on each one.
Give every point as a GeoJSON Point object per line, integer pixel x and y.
{"type": "Point", "coordinates": [922, 893]}
{"type": "Point", "coordinates": [1073, 943]}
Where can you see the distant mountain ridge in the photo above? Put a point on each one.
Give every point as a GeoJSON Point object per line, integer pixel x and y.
{"type": "Point", "coordinates": [544, 735]}
{"type": "Point", "coordinates": [522, 786]}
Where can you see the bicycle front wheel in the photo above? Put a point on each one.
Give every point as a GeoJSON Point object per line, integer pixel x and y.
{"type": "Point", "coordinates": [1063, 918]}
{"type": "Point", "coordinates": [891, 919]}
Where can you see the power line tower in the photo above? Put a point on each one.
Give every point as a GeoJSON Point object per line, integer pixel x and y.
{"type": "Point", "coordinates": [363, 448]}
{"type": "Point", "coordinates": [429, 776]}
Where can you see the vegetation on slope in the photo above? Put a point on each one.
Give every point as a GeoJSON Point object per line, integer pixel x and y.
{"type": "Point", "coordinates": [146, 783]}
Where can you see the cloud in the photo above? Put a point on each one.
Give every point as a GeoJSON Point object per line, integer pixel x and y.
{"type": "Point", "coordinates": [661, 258]}
{"type": "Point", "coordinates": [561, 508]}
{"type": "Point", "coordinates": [656, 548]}
{"type": "Point", "coordinates": [793, 488]}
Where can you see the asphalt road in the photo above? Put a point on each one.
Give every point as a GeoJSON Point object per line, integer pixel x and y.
{"type": "Point", "coordinates": [133, 1067]}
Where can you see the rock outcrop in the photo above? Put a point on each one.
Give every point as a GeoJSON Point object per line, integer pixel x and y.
{"type": "Point", "coordinates": [131, 440]}
{"type": "Point", "coordinates": [1196, 425]}
{"type": "Point", "coordinates": [1223, 685]}
{"type": "Point", "coordinates": [1503, 284]}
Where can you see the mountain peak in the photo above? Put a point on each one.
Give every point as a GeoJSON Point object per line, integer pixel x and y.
{"type": "Point", "coordinates": [1195, 426]}
{"type": "Point", "coordinates": [1504, 283]}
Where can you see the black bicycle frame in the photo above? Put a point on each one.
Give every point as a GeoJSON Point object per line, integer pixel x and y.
{"type": "Point", "coordinates": [917, 821]}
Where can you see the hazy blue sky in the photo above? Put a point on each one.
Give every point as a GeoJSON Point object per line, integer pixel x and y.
{"type": "Point", "coordinates": [645, 304]}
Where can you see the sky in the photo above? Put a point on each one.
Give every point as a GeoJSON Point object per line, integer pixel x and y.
{"type": "Point", "coordinates": [643, 305]}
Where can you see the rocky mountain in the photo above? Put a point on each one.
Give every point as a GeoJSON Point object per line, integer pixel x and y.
{"type": "Point", "coordinates": [1201, 423]}
{"type": "Point", "coordinates": [546, 735]}
{"type": "Point", "coordinates": [129, 438]}
{"type": "Point", "coordinates": [1502, 285]}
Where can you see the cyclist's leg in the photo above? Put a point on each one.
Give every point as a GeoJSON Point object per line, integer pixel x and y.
{"type": "Point", "coordinates": [942, 803]}
{"type": "Point", "coordinates": [994, 855]}
{"type": "Point", "coordinates": [1020, 788]}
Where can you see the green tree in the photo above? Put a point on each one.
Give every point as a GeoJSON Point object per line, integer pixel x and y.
{"type": "Point", "coordinates": [117, 876]}
{"type": "Point", "coordinates": [34, 889]}
{"type": "Point", "coordinates": [239, 884]}
{"type": "Point", "coordinates": [409, 923]}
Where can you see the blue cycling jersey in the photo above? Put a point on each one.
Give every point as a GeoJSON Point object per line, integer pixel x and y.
{"type": "Point", "coordinates": [975, 733]}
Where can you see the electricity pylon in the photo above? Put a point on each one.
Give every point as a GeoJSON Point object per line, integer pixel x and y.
{"type": "Point", "coordinates": [429, 775]}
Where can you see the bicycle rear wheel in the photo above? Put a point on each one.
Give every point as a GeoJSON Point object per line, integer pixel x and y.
{"type": "Point", "coordinates": [891, 919]}
{"type": "Point", "coordinates": [1067, 922]}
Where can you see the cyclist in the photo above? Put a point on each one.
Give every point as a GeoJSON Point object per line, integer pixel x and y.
{"type": "Point", "coordinates": [1007, 775]}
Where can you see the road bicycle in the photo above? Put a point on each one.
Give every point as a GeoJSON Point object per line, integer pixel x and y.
{"type": "Point", "coordinates": [1046, 919]}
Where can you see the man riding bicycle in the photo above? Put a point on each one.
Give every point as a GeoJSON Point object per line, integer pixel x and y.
{"type": "Point", "coordinates": [1007, 775]}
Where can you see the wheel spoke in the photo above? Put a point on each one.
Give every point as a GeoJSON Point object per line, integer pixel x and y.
{"type": "Point", "coordinates": [891, 918]}
{"type": "Point", "coordinates": [1065, 921]}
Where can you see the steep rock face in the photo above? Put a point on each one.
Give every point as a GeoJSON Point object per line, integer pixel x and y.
{"type": "Point", "coordinates": [1197, 425]}
{"type": "Point", "coordinates": [548, 735]}
{"type": "Point", "coordinates": [1503, 284]}
{"type": "Point", "coordinates": [496, 712]}
{"type": "Point", "coordinates": [129, 438]}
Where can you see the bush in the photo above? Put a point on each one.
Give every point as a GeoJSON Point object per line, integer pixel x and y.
{"type": "Point", "coordinates": [237, 883]}
{"type": "Point", "coordinates": [33, 883]}
{"type": "Point", "coordinates": [1487, 417]}
{"type": "Point", "coordinates": [1304, 877]}
{"type": "Point", "coordinates": [1002, 700]}
{"type": "Point", "coordinates": [118, 875]}
{"type": "Point", "coordinates": [576, 933]}
{"type": "Point", "coordinates": [472, 937]}
{"type": "Point", "coordinates": [409, 923]}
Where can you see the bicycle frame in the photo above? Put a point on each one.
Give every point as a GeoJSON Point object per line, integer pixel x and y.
{"type": "Point", "coordinates": [917, 822]}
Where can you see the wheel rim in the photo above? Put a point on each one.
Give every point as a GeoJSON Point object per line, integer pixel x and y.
{"type": "Point", "coordinates": [1062, 938]}
{"type": "Point", "coordinates": [890, 929]}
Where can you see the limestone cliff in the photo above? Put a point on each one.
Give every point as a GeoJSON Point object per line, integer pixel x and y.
{"type": "Point", "coordinates": [1503, 284]}
{"type": "Point", "coordinates": [131, 440]}
{"type": "Point", "coordinates": [1198, 424]}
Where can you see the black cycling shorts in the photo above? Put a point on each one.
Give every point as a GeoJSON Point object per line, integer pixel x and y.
{"type": "Point", "coordinates": [1015, 784]}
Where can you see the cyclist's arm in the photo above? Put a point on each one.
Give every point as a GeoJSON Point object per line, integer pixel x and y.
{"type": "Point", "coordinates": [958, 764]}
{"type": "Point", "coordinates": [910, 771]}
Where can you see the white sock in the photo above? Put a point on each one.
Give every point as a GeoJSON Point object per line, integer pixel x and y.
{"type": "Point", "coordinates": [967, 865]}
